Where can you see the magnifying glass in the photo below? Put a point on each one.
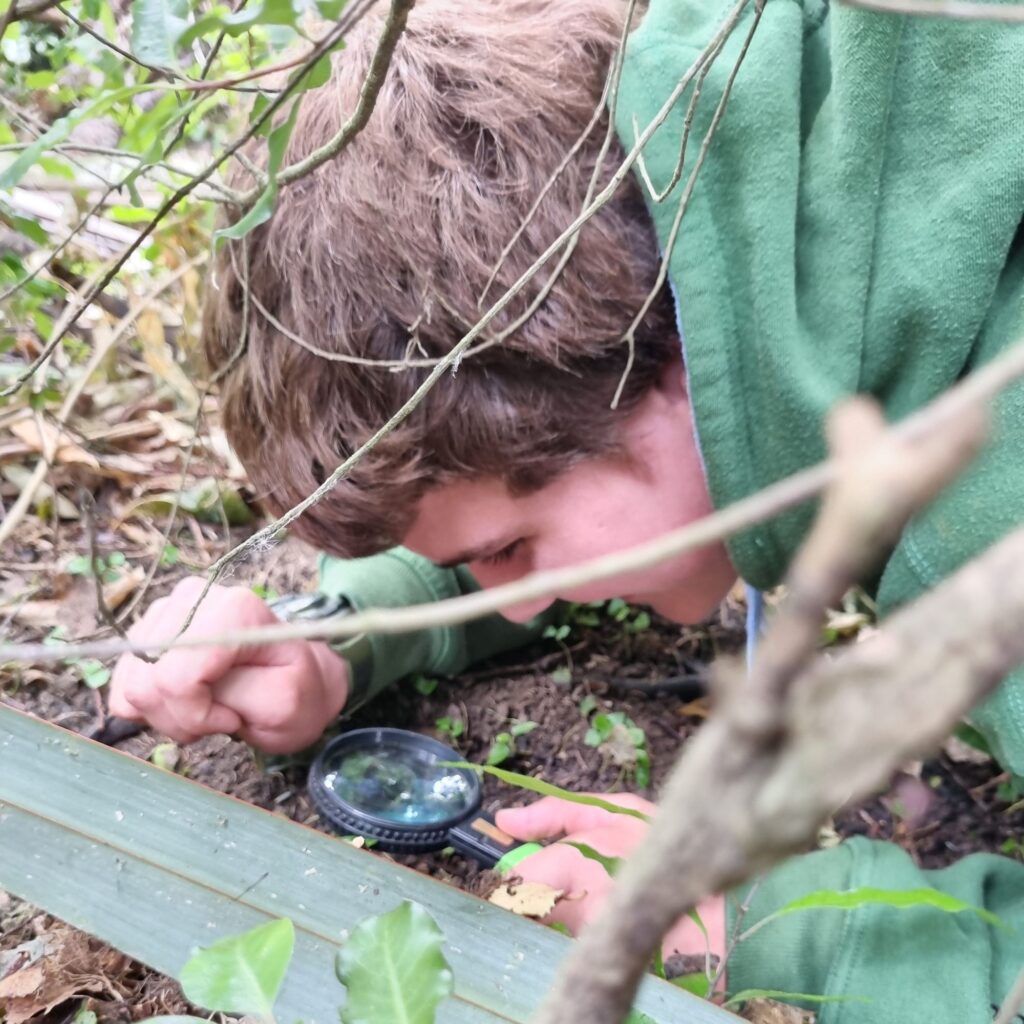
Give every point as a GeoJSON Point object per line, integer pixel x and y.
{"type": "Point", "coordinates": [398, 788]}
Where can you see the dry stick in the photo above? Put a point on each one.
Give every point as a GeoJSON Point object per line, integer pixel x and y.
{"type": "Point", "coordinates": [944, 9]}
{"type": "Point", "coordinates": [71, 399]}
{"type": "Point", "coordinates": [691, 110]}
{"type": "Point", "coordinates": [980, 386]}
{"type": "Point", "coordinates": [802, 735]}
{"type": "Point", "coordinates": [684, 203]}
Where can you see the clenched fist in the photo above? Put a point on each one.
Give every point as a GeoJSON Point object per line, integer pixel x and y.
{"type": "Point", "coordinates": [278, 697]}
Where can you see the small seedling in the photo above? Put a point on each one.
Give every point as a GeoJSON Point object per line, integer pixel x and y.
{"type": "Point", "coordinates": [92, 672]}
{"type": "Point", "coordinates": [424, 685]}
{"type": "Point", "coordinates": [450, 727]}
{"type": "Point", "coordinates": [624, 742]}
{"type": "Point", "coordinates": [633, 620]}
{"type": "Point", "coordinates": [504, 745]}
{"type": "Point", "coordinates": [106, 567]}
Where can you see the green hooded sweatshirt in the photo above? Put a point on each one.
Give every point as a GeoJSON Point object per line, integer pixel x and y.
{"type": "Point", "coordinates": [856, 227]}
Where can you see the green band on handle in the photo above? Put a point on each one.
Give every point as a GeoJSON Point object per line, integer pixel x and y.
{"type": "Point", "coordinates": [514, 856]}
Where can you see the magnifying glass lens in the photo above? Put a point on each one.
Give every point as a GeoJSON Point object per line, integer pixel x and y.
{"type": "Point", "coordinates": [400, 784]}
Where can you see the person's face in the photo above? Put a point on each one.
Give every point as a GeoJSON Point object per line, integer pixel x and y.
{"type": "Point", "coordinates": [599, 506]}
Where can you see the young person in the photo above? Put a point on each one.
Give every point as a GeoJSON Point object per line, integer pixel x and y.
{"type": "Point", "coordinates": [856, 228]}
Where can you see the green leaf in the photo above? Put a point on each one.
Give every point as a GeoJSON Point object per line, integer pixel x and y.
{"type": "Point", "coordinates": [502, 749]}
{"type": "Point", "coordinates": [94, 673]}
{"type": "Point", "coordinates": [156, 27]}
{"type": "Point", "coordinates": [636, 1017]}
{"type": "Point", "coordinates": [610, 864]}
{"type": "Point", "coordinates": [547, 789]}
{"type": "Point", "coordinates": [222, 19]}
{"type": "Point", "coordinates": [698, 983]}
{"type": "Point", "coordinates": [60, 130]}
{"type": "Point", "coordinates": [523, 728]}
{"type": "Point", "coordinates": [768, 993]}
{"type": "Point", "coordinates": [393, 969]}
{"type": "Point", "coordinates": [243, 973]}
{"type": "Point", "coordinates": [261, 210]}
{"type": "Point", "coordinates": [899, 899]}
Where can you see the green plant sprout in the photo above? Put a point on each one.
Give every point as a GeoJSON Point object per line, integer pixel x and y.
{"type": "Point", "coordinates": [617, 736]}
{"type": "Point", "coordinates": [450, 727]}
{"type": "Point", "coordinates": [632, 620]}
{"type": "Point", "coordinates": [92, 672]}
{"type": "Point", "coordinates": [504, 745]}
{"type": "Point", "coordinates": [106, 567]}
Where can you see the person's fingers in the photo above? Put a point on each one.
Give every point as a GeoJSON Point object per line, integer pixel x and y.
{"type": "Point", "coordinates": [551, 816]}
{"type": "Point", "coordinates": [584, 883]}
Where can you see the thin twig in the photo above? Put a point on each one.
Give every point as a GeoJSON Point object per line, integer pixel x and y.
{"type": "Point", "coordinates": [599, 110]}
{"type": "Point", "coordinates": [684, 203]}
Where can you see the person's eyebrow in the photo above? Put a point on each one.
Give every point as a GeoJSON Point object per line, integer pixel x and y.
{"type": "Point", "coordinates": [472, 554]}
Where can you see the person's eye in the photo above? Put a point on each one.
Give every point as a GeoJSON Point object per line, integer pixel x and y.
{"type": "Point", "coordinates": [505, 554]}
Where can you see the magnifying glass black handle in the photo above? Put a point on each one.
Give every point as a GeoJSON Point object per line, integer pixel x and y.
{"type": "Point", "coordinates": [478, 837]}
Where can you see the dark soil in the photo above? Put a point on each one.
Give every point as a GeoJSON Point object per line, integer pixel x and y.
{"type": "Point", "coordinates": [947, 808]}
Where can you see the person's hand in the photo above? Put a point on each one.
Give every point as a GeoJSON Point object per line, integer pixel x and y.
{"type": "Point", "coordinates": [278, 697]}
{"type": "Point", "coordinates": [583, 880]}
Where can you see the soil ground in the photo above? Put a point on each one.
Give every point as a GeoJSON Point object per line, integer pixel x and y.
{"type": "Point", "coordinates": [951, 806]}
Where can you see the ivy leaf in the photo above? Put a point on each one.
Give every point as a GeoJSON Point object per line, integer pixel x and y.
{"type": "Point", "coordinates": [547, 789]}
{"type": "Point", "coordinates": [393, 968]}
{"type": "Point", "coordinates": [156, 27]}
{"type": "Point", "coordinates": [241, 974]}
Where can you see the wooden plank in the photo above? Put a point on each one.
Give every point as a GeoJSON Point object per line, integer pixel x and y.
{"type": "Point", "coordinates": [96, 818]}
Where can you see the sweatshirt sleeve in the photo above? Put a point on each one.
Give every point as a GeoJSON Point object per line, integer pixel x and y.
{"type": "Point", "coordinates": [918, 964]}
{"type": "Point", "coordinates": [398, 578]}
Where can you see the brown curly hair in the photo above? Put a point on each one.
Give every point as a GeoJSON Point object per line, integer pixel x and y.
{"type": "Point", "coordinates": [383, 252]}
